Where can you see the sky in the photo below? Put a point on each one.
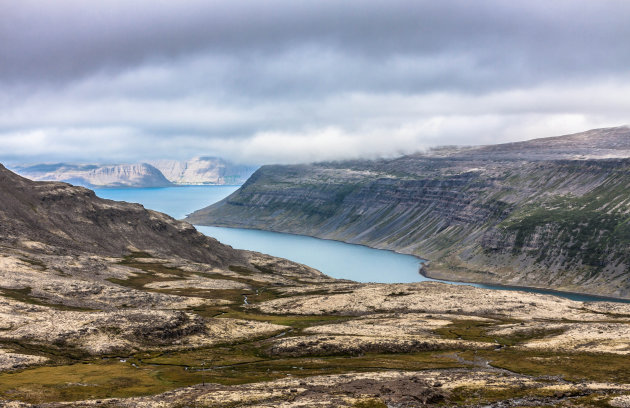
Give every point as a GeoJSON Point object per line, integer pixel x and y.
{"type": "Point", "coordinates": [289, 81]}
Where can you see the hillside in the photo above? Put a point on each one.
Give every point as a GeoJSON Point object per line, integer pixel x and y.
{"type": "Point", "coordinates": [93, 175]}
{"type": "Point", "coordinates": [106, 304]}
{"type": "Point", "coordinates": [518, 214]}
{"type": "Point", "coordinates": [61, 218]}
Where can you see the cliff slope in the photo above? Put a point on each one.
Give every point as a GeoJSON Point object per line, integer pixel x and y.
{"type": "Point", "coordinates": [520, 214]}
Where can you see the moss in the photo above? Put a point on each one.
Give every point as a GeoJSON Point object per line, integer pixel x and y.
{"type": "Point", "coordinates": [572, 367]}
{"type": "Point", "coordinates": [86, 380]}
{"type": "Point", "coordinates": [240, 269]}
{"type": "Point", "coordinates": [369, 403]}
{"type": "Point", "coordinates": [24, 295]}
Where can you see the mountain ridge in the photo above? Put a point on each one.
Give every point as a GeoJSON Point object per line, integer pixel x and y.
{"type": "Point", "coordinates": [105, 303]}
{"type": "Point", "coordinates": [532, 219]}
{"type": "Point", "coordinates": [158, 173]}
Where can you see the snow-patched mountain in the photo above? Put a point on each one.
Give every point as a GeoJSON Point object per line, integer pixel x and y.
{"type": "Point", "coordinates": [204, 170]}
{"type": "Point", "coordinates": [93, 175]}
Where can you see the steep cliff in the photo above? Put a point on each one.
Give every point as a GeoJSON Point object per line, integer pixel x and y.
{"type": "Point", "coordinates": [518, 214]}
{"type": "Point", "coordinates": [119, 175]}
{"type": "Point", "coordinates": [204, 170]}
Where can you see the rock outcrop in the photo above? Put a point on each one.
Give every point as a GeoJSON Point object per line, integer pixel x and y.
{"type": "Point", "coordinates": [552, 213]}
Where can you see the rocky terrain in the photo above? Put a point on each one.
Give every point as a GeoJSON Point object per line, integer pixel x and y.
{"type": "Point", "coordinates": [94, 175]}
{"type": "Point", "coordinates": [106, 304]}
{"type": "Point", "coordinates": [550, 213]}
{"type": "Point", "coordinates": [204, 170]}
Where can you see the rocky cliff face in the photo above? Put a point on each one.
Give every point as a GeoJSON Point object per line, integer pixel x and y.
{"type": "Point", "coordinates": [204, 170]}
{"type": "Point", "coordinates": [506, 214]}
{"type": "Point", "coordinates": [120, 175]}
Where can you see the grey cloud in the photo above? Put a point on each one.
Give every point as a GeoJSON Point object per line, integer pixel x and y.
{"type": "Point", "coordinates": [281, 80]}
{"type": "Point", "coordinates": [529, 40]}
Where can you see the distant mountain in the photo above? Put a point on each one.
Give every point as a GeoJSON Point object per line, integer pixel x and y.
{"type": "Point", "coordinates": [159, 173]}
{"type": "Point", "coordinates": [92, 175]}
{"type": "Point", "coordinates": [204, 170]}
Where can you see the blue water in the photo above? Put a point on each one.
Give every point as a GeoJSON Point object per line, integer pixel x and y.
{"type": "Point", "coordinates": [336, 259]}
{"type": "Point", "coordinates": [177, 202]}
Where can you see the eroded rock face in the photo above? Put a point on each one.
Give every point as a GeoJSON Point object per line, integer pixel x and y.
{"type": "Point", "coordinates": [547, 213]}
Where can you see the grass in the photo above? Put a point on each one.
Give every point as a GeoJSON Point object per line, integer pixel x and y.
{"type": "Point", "coordinates": [369, 403]}
{"type": "Point", "coordinates": [474, 330]}
{"type": "Point", "coordinates": [297, 322]}
{"type": "Point", "coordinates": [571, 367]}
{"type": "Point", "coordinates": [71, 375]}
{"type": "Point", "coordinates": [24, 295]}
{"type": "Point", "coordinates": [229, 365]}
{"type": "Point", "coordinates": [89, 380]}
{"type": "Point", "coordinates": [246, 362]}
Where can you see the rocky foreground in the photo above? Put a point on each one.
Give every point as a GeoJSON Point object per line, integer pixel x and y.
{"type": "Point", "coordinates": [95, 312]}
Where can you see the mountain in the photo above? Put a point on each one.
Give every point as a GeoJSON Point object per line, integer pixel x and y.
{"type": "Point", "coordinates": [92, 175]}
{"type": "Point", "coordinates": [204, 170]}
{"type": "Point", "coordinates": [551, 213]}
{"type": "Point", "coordinates": [159, 173]}
{"type": "Point", "coordinates": [73, 219]}
{"type": "Point", "coordinates": [107, 304]}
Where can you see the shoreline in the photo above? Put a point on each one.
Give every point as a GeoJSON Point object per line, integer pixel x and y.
{"type": "Point", "coordinates": [530, 289]}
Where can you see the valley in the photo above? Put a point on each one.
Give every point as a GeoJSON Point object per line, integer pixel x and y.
{"type": "Point", "coordinates": [549, 213]}
{"type": "Point", "coordinates": [108, 304]}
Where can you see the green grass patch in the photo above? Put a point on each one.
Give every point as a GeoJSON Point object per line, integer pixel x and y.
{"type": "Point", "coordinates": [24, 295]}
{"type": "Point", "coordinates": [474, 330]}
{"type": "Point", "coordinates": [572, 367]}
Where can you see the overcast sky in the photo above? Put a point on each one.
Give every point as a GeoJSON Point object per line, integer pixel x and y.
{"type": "Point", "coordinates": [284, 81]}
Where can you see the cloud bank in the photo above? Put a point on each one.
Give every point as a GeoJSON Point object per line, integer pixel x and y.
{"type": "Point", "coordinates": [285, 81]}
